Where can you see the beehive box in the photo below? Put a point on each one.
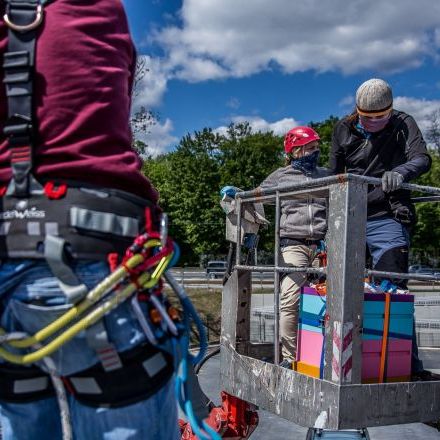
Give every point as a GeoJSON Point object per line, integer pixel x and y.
{"type": "Point", "coordinates": [311, 335]}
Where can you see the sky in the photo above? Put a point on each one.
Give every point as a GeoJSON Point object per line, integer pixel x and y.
{"type": "Point", "coordinates": [279, 63]}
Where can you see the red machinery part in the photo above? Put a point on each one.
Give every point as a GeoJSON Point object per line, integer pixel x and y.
{"type": "Point", "coordinates": [235, 419]}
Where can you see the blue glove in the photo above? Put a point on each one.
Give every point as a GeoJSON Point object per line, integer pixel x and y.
{"type": "Point", "coordinates": [230, 191]}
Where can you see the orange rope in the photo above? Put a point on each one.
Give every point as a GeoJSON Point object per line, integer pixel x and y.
{"type": "Point", "coordinates": [386, 325]}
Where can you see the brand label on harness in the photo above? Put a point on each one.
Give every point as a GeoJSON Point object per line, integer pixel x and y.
{"type": "Point", "coordinates": [27, 213]}
{"type": "Point", "coordinates": [22, 214]}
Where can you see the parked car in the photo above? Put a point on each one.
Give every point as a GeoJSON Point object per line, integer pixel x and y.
{"type": "Point", "coordinates": [421, 268]}
{"type": "Point", "coordinates": [216, 269]}
{"type": "Point", "coordinates": [430, 271]}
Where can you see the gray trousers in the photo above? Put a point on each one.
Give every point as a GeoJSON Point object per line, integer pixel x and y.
{"type": "Point", "coordinates": [298, 256]}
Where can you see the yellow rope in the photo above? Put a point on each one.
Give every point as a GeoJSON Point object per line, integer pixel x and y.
{"type": "Point", "coordinates": [114, 299]}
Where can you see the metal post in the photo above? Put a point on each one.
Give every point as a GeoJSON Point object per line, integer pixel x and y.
{"type": "Point", "coordinates": [345, 280]}
{"type": "Point", "coordinates": [277, 282]}
{"type": "Point", "coordinates": [238, 251]}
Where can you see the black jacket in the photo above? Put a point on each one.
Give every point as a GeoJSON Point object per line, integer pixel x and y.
{"type": "Point", "coordinates": [399, 146]}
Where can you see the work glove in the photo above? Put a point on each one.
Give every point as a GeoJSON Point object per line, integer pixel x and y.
{"type": "Point", "coordinates": [391, 180]}
{"type": "Point", "coordinates": [229, 191]}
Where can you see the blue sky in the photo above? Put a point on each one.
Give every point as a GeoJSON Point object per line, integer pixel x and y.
{"type": "Point", "coordinates": [280, 63]}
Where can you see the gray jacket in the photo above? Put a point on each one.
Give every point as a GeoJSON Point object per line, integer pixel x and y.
{"type": "Point", "coordinates": [300, 218]}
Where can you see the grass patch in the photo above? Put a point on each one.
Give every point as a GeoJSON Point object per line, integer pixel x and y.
{"type": "Point", "coordinates": [208, 305]}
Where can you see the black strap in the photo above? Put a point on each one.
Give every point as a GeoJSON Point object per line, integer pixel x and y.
{"type": "Point", "coordinates": [23, 18]}
{"type": "Point", "coordinates": [145, 369]}
{"type": "Point", "coordinates": [19, 384]}
{"type": "Point", "coordinates": [298, 241]}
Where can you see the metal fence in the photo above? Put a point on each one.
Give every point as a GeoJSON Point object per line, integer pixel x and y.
{"type": "Point", "coordinates": [336, 239]}
{"type": "Point", "coordinates": [340, 394]}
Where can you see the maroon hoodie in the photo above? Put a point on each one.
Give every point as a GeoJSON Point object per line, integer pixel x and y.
{"type": "Point", "coordinates": [84, 72]}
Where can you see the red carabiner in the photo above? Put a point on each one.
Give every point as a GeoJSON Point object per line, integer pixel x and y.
{"type": "Point", "coordinates": [53, 192]}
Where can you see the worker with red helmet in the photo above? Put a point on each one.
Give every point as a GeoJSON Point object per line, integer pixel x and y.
{"type": "Point", "coordinates": [303, 226]}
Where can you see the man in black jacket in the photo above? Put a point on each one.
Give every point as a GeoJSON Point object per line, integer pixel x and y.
{"type": "Point", "coordinates": [377, 141]}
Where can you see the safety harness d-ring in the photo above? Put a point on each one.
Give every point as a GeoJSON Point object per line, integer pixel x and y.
{"type": "Point", "coordinates": [28, 27]}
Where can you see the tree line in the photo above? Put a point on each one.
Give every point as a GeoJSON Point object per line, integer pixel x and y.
{"type": "Point", "coordinates": [190, 177]}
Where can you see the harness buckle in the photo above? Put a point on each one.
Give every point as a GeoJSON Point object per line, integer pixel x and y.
{"type": "Point", "coordinates": [28, 27]}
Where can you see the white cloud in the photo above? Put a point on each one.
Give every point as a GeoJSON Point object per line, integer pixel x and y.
{"type": "Point", "coordinates": [236, 39]}
{"type": "Point", "coordinates": [232, 39]}
{"type": "Point", "coordinates": [420, 109]}
{"type": "Point", "coordinates": [279, 128]}
{"type": "Point", "coordinates": [160, 138]}
{"type": "Point", "coordinates": [437, 37]}
{"type": "Point", "coordinates": [151, 88]}
{"type": "Point", "coordinates": [347, 101]}
{"type": "Point", "coordinates": [233, 103]}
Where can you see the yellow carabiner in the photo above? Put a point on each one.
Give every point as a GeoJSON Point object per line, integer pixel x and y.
{"type": "Point", "coordinates": [28, 27]}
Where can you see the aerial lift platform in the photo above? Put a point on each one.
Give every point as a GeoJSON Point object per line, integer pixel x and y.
{"type": "Point", "coordinates": [338, 401]}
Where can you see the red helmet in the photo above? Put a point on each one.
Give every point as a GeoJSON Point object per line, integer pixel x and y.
{"type": "Point", "coordinates": [299, 136]}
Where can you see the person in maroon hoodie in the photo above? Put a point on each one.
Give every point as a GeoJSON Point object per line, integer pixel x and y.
{"type": "Point", "coordinates": [83, 75]}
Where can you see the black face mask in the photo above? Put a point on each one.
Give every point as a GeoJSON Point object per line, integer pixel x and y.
{"type": "Point", "coordinates": [306, 164]}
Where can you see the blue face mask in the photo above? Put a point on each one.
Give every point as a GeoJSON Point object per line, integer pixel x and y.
{"type": "Point", "coordinates": [306, 164]}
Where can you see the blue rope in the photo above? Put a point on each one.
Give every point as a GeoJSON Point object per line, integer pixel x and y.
{"type": "Point", "coordinates": [200, 428]}
{"type": "Point", "coordinates": [181, 351]}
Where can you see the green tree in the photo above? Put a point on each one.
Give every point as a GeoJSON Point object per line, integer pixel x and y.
{"type": "Point", "coordinates": [246, 158]}
{"type": "Point", "coordinates": [325, 131]}
{"type": "Point", "coordinates": [189, 180]}
{"type": "Point", "coordinates": [426, 237]}
{"type": "Point", "coordinates": [433, 132]}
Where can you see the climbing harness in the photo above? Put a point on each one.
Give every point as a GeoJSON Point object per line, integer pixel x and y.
{"type": "Point", "coordinates": [95, 224]}
{"type": "Point", "coordinates": [137, 277]}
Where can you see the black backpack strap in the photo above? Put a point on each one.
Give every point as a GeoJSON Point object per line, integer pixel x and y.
{"type": "Point", "coordinates": [23, 18]}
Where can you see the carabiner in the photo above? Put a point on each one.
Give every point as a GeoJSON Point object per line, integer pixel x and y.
{"type": "Point", "coordinates": [28, 27]}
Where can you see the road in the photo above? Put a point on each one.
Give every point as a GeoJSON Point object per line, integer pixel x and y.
{"type": "Point", "coordinates": [193, 277]}
{"type": "Point", "coordinates": [272, 427]}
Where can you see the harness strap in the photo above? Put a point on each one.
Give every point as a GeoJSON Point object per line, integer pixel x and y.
{"type": "Point", "coordinates": [23, 18]}
{"type": "Point", "coordinates": [56, 258]}
{"type": "Point", "coordinates": [145, 370]}
{"type": "Point", "coordinates": [98, 340]}
{"type": "Point", "coordinates": [94, 222]}
{"type": "Point", "coordinates": [24, 384]}
{"type": "Point", "coordinates": [103, 222]}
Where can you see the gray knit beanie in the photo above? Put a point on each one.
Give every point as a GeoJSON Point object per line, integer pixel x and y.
{"type": "Point", "coordinates": [374, 96]}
